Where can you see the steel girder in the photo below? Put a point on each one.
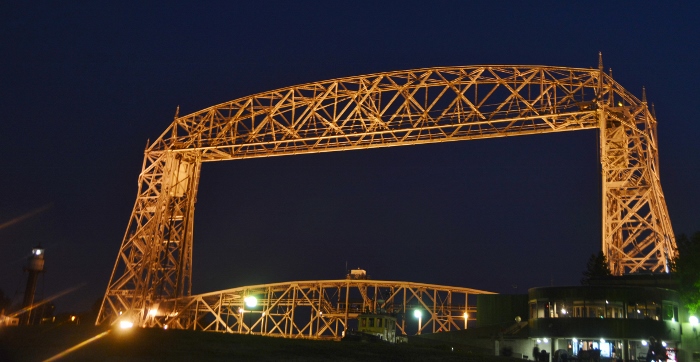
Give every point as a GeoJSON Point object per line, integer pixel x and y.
{"type": "Point", "coordinates": [315, 309]}
{"type": "Point", "coordinates": [392, 109]}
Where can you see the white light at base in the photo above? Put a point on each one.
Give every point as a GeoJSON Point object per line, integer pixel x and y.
{"type": "Point", "coordinates": [250, 301]}
{"type": "Point", "coordinates": [418, 314]}
{"type": "Point", "coordinates": [644, 343]}
{"type": "Point", "coordinates": [545, 340]}
{"type": "Point", "coordinates": [126, 324]}
{"type": "Point", "coordinates": [602, 341]}
{"type": "Point", "coordinates": [693, 320]}
{"type": "Point", "coordinates": [663, 343]}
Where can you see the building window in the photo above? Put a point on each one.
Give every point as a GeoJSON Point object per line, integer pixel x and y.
{"type": "Point", "coordinates": [561, 310]}
{"type": "Point", "coordinates": [670, 312]}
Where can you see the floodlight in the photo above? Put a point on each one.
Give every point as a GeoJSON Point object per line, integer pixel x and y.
{"type": "Point", "coordinates": [250, 301]}
{"type": "Point", "coordinates": [126, 324]}
{"type": "Point", "coordinates": [418, 314]}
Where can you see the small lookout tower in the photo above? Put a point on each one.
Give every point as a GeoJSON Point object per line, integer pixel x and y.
{"type": "Point", "coordinates": [35, 266]}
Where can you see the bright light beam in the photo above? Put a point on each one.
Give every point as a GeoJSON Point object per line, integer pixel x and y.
{"type": "Point", "coordinates": [55, 296]}
{"type": "Point", "coordinates": [25, 216]}
{"type": "Point", "coordinates": [77, 346]}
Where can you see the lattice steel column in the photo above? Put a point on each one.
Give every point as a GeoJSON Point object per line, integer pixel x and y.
{"type": "Point", "coordinates": [637, 233]}
{"type": "Point", "coordinates": [155, 259]}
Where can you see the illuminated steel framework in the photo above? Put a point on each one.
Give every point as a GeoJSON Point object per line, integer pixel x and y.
{"type": "Point", "coordinates": [315, 309]}
{"type": "Point", "coordinates": [393, 109]}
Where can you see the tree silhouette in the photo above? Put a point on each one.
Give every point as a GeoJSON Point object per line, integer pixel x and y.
{"type": "Point", "coordinates": [686, 268]}
{"type": "Point", "coordinates": [596, 268]}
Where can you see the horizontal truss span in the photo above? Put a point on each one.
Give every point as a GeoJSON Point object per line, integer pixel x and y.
{"type": "Point", "coordinates": [388, 109]}
{"type": "Point", "coordinates": [321, 309]}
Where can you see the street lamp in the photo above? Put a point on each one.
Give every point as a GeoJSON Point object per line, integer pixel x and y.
{"type": "Point", "coordinates": [417, 313]}
{"type": "Point", "coordinates": [250, 302]}
{"type": "Point", "coordinates": [466, 318]}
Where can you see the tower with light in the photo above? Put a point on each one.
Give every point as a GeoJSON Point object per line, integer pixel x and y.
{"type": "Point", "coordinates": [35, 266]}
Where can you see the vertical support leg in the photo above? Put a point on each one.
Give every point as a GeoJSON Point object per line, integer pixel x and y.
{"type": "Point", "coordinates": [155, 259]}
{"type": "Point", "coordinates": [637, 234]}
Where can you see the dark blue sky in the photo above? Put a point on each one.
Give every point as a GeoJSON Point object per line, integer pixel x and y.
{"type": "Point", "coordinates": [84, 85]}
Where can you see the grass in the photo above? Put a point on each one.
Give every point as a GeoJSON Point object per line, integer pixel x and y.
{"type": "Point", "coordinates": [41, 342]}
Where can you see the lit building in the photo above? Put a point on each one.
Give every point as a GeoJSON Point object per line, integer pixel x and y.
{"type": "Point", "coordinates": [613, 319]}
{"type": "Point", "coordinates": [613, 322]}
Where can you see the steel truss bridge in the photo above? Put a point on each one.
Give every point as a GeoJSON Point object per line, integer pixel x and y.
{"type": "Point", "coordinates": [321, 309]}
{"type": "Point", "coordinates": [397, 108]}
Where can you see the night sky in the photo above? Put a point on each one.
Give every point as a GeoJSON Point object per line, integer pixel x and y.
{"type": "Point", "coordinates": [85, 84]}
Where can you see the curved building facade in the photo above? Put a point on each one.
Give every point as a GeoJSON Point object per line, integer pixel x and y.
{"type": "Point", "coordinates": [614, 322]}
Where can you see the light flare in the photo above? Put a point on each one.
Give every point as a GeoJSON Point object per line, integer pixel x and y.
{"type": "Point", "coordinates": [25, 216]}
{"type": "Point", "coordinates": [77, 346]}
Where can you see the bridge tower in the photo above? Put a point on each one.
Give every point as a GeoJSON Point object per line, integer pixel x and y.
{"type": "Point", "coordinates": [637, 232]}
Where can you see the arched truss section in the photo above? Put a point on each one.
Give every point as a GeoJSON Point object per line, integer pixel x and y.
{"type": "Point", "coordinates": [393, 109]}
{"type": "Point", "coordinates": [316, 309]}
